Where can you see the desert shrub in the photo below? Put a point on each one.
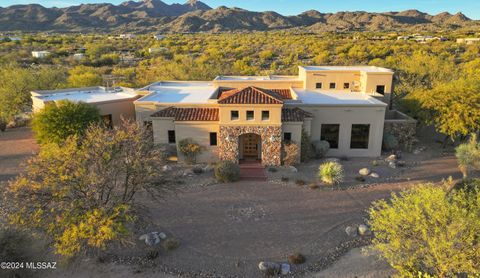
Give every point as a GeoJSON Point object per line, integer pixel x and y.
{"type": "Point", "coordinates": [469, 185]}
{"type": "Point", "coordinates": [375, 163]}
{"type": "Point", "coordinates": [307, 151]}
{"type": "Point", "coordinates": [390, 142]}
{"type": "Point", "coordinates": [321, 148]}
{"type": "Point", "coordinates": [227, 171]}
{"type": "Point", "coordinates": [468, 156]}
{"type": "Point", "coordinates": [3, 124]}
{"type": "Point", "coordinates": [429, 229]}
{"type": "Point", "coordinates": [296, 258]}
{"type": "Point", "coordinates": [331, 172]}
{"type": "Point", "coordinates": [152, 254]}
{"type": "Point", "coordinates": [57, 121]}
{"type": "Point", "coordinates": [313, 185]}
{"type": "Point", "coordinates": [290, 153]}
{"type": "Point", "coordinates": [197, 170]}
{"type": "Point", "coordinates": [171, 244]}
{"type": "Point", "coordinates": [190, 149]}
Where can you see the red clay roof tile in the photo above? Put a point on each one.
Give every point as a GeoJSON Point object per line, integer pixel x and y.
{"type": "Point", "coordinates": [188, 114]}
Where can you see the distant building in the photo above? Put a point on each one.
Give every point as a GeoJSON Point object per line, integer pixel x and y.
{"type": "Point", "coordinates": [468, 40]}
{"type": "Point", "coordinates": [127, 36]}
{"type": "Point", "coordinates": [14, 39]}
{"type": "Point", "coordinates": [40, 54]}
{"type": "Point", "coordinates": [158, 37]}
{"type": "Point", "coordinates": [78, 56]}
{"type": "Point", "coordinates": [157, 50]}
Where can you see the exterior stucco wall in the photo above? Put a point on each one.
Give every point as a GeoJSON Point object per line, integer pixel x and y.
{"type": "Point", "coordinates": [327, 77]}
{"type": "Point", "coordinates": [160, 129]}
{"type": "Point", "coordinates": [275, 114]}
{"type": "Point", "coordinates": [200, 133]}
{"type": "Point", "coordinates": [345, 117]}
{"type": "Point", "coordinates": [269, 84]}
{"type": "Point", "coordinates": [118, 109]}
{"type": "Point", "coordinates": [295, 128]}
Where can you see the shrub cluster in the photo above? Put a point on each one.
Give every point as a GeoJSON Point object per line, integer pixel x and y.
{"type": "Point", "coordinates": [291, 153]}
{"type": "Point", "coordinates": [227, 171]}
{"type": "Point", "coordinates": [331, 172]}
{"type": "Point", "coordinates": [321, 148]}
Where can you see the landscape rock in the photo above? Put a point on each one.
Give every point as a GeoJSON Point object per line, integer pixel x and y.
{"type": "Point", "coordinates": [166, 168]}
{"type": "Point", "coordinates": [364, 171]}
{"type": "Point", "coordinates": [401, 163]}
{"type": "Point", "coordinates": [351, 231]}
{"type": "Point", "coordinates": [363, 230]}
{"type": "Point", "coordinates": [293, 169]}
{"type": "Point", "coordinates": [270, 267]}
{"type": "Point", "coordinates": [374, 175]}
{"type": "Point", "coordinates": [162, 235]}
{"type": "Point", "coordinates": [419, 150]}
{"type": "Point", "coordinates": [285, 269]}
{"type": "Point", "coordinates": [391, 158]}
{"type": "Point", "coordinates": [150, 239]}
{"type": "Point", "coordinates": [392, 164]}
{"type": "Point", "coordinates": [208, 168]}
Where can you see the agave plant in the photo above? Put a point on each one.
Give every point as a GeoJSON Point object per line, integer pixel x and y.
{"type": "Point", "coordinates": [331, 172]}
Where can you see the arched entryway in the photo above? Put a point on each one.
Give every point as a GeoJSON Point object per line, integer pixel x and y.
{"type": "Point", "coordinates": [250, 147]}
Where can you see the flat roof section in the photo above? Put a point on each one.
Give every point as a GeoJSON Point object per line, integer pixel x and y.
{"type": "Point", "coordinates": [338, 97]}
{"type": "Point", "coordinates": [257, 78]}
{"type": "Point", "coordinates": [88, 95]}
{"type": "Point", "coordinates": [346, 68]}
{"type": "Point", "coordinates": [179, 92]}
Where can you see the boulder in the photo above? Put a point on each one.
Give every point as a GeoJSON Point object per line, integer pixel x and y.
{"type": "Point", "coordinates": [162, 235]}
{"type": "Point", "coordinates": [364, 171]}
{"type": "Point", "coordinates": [150, 239]}
{"type": "Point", "coordinates": [392, 164]}
{"type": "Point", "coordinates": [391, 158]}
{"type": "Point", "coordinates": [293, 169]}
{"type": "Point", "coordinates": [363, 230]}
{"type": "Point", "coordinates": [270, 267]}
{"type": "Point", "coordinates": [285, 269]}
{"type": "Point", "coordinates": [351, 231]}
{"type": "Point", "coordinates": [166, 168]}
{"type": "Point", "coordinates": [374, 175]}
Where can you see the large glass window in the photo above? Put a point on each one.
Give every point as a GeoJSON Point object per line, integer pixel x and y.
{"type": "Point", "coordinates": [171, 136]}
{"type": "Point", "coordinates": [234, 115]}
{"type": "Point", "coordinates": [330, 133]}
{"type": "Point", "coordinates": [359, 139]}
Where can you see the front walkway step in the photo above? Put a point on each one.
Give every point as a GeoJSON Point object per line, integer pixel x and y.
{"type": "Point", "coordinates": [252, 172]}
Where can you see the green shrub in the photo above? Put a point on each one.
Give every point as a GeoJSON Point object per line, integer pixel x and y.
{"type": "Point", "coordinates": [227, 171]}
{"type": "Point", "coordinates": [190, 149]}
{"type": "Point", "coordinates": [468, 156]}
{"type": "Point", "coordinates": [171, 244]}
{"type": "Point", "coordinates": [321, 148]}
{"type": "Point", "coordinates": [331, 172]}
{"type": "Point", "coordinates": [296, 258]}
{"type": "Point", "coordinates": [57, 121]}
{"type": "Point", "coordinates": [390, 142]}
{"type": "Point", "coordinates": [290, 153]}
{"type": "Point", "coordinates": [428, 229]}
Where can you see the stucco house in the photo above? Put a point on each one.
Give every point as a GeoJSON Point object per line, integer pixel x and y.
{"type": "Point", "coordinates": [248, 117]}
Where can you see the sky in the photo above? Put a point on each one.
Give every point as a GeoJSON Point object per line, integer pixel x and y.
{"type": "Point", "coordinates": [471, 8]}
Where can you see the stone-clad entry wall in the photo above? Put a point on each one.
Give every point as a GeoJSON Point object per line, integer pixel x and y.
{"type": "Point", "coordinates": [271, 141]}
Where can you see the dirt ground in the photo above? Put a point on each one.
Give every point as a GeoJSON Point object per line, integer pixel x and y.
{"type": "Point", "coordinates": [226, 229]}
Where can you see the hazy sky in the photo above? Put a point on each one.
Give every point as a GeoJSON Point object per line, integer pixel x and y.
{"type": "Point", "coordinates": [288, 7]}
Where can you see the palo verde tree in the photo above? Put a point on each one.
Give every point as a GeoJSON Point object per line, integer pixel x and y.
{"type": "Point", "coordinates": [429, 230]}
{"type": "Point", "coordinates": [82, 193]}
{"type": "Point", "coordinates": [57, 121]}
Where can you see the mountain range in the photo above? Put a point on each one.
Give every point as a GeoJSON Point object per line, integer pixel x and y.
{"type": "Point", "coordinates": [196, 16]}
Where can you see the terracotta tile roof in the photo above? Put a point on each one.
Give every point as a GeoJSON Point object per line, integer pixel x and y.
{"type": "Point", "coordinates": [188, 114]}
{"type": "Point", "coordinates": [285, 93]}
{"type": "Point", "coordinates": [250, 95]}
{"type": "Point", "coordinates": [294, 115]}
{"type": "Point", "coordinates": [224, 92]}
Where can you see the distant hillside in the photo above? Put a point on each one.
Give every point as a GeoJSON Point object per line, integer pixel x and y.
{"type": "Point", "coordinates": [196, 16]}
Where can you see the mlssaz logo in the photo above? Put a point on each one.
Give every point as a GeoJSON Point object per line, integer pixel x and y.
{"type": "Point", "coordinates": [41, 265]}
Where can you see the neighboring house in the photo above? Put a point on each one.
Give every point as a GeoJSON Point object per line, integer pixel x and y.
{"type": "Point", "coordinates": [78, 56]}
{"type": "Point", "coordinates": [113, 103]}
{"type": "Point", "coordinates": [468, 40]}
{"type": "Point", "coordinates": [157, 50]}
{"type": "Point", "coordinates": [127, 36]}
{"type": "Point", "coordinates": [40, 54]}
{"type": "Point", "coordinates": [249, 117]}
{"type": "Point", "coordinates": [158, 37]}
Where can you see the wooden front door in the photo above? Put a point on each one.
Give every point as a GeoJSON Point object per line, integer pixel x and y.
{"type": "Point", "coordinates": [250, 145]}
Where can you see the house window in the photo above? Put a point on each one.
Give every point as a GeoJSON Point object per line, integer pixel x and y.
{"type": "Point", "coordinates": [330, 133]}
{"type": "Point", "coordinates": [265, 115]}
{"type": "Point", "coordinates": [359, 139]}
{"type": "Point", "coordinates": [250, 115]}
{"type": "Point", "coordinates": [287, 136]}
{"type": "Point", "coordinates": [318, 85]}
{"type": "Point", "coordinates": [333, 85]}
{"type": "Point", "coordinates": [213, 138]}
{"type": "Point", "coordinates": [346, 85]}
{"type": "Point", "coordinates": [381, 89]}
{"type": "Point", "coordinates": [234, 115]}
{"type": "Point", "coordinates": [171, 137]}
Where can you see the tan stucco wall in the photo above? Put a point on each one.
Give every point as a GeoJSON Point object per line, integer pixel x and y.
{"type": "Point", "coordinates": [327, 77]}
{"type": "Point", "coordinates": [294, 128]}
{"type": "Point", "coordinates": [266, 84]}
{"type": "Point", "coordinates": [346, 116]}
{"type": "Point", "coordinates": [160, 128]}
{"type": "Point", "coordinates": [275, 114]}
{"type": "Point", "coordinates": [200, 132]}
